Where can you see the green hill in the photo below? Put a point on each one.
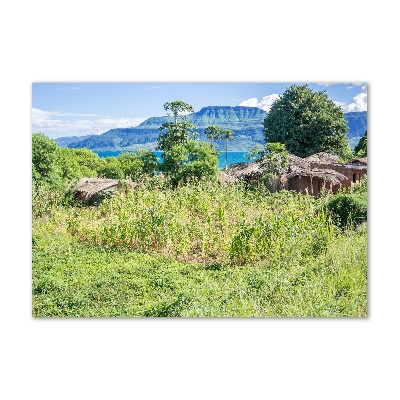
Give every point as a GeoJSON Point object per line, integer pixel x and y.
{"type": "Point", "coordinates": [246, 122]}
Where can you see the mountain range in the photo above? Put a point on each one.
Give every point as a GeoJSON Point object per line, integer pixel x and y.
{"type": "Point", "coordinates": [246, 122]}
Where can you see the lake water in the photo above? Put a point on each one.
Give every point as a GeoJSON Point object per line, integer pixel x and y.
{"type": "Point", "coordinates": [233, 156]}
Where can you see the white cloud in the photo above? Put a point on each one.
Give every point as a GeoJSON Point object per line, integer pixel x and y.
{"type": "Point", "coordinates": [253, 102]}
{"type": "Point", "coordinates": [353, 85]}
{"type": "Point", "coordinates": [340, 103]}
{"type": "Point", "coordinates": [53, 125]}
{"type": "Point", "coordinates": [359, 103]}
{"type": "Point", "coordinates": [265, 103]}
{"type": "Point", "coordinates": [44, 113]}
{"type": "Point", "coordinates": [327, 83]}
{"type": "Point", "coordinates": [69, 88]}
{"type": "Point", "coordinates": [152, 87]}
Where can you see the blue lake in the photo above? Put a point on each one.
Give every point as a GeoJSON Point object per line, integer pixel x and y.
{"type": "Point", "coordinates": [233, 156]}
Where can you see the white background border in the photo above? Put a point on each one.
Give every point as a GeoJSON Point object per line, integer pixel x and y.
{"type": "Point", "coordinates": [226, 41]}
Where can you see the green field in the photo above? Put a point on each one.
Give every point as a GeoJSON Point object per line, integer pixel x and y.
{"type": "Point", "coordinates": [198, 251]}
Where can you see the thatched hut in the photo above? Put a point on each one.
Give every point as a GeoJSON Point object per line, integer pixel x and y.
{"type": "Point", "coordinates": [92, 191]}
{"type": "Point", "coordinates": [303, 177]}
{"type": "Point", "coordinates": [353, 169]}
{"type": "Point", "coordinates": [249, 172]}
{"type": "Point", "coordinates": [323, 158]}
{"type": "Point", "coordinates": [358, 161]}
{"type": "Point", "coordinates": [310, 174]}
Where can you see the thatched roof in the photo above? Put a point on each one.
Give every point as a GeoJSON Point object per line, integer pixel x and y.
{"type": "Point", "coordinates": [358, 161]}
{"type": "Point", "coordinates": [248, 171]}
{"type": "Point", "coordinates": [327, 175]}
{"type": "Point", "coordinates": [297, 167]}
{"type": "Point", "coordinates": [304, 167]}
{"type": "Point", "coordinates": [323, 158]}
{"type": "Point", "coordinates": [92, 190]}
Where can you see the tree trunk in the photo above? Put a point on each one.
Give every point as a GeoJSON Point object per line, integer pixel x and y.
{"type": "Point", "coordinates": [226, 152]}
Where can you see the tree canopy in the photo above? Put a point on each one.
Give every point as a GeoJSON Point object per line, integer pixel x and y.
{"type": "Point", "coordinates": [306, 122]}
{"type": "Point", "coordinates": [173, 133]}
{"type": "Point", "coordinates": [176, 107]}
{"type": "Point", "coordinates": [185, 158]}
{"type": "Point", "coordinates": [190, 161]}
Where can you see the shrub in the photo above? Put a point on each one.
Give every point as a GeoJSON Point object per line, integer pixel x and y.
{"type": "Point", "coordinates": [45, 167]}
{"type": "Point", "coordinates": [347, 210]}
{"type": "Point", "coordinates": [192, 161]}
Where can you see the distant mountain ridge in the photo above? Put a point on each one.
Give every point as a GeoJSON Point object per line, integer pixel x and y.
{"type": "Point", "coordinates": [246, 122]}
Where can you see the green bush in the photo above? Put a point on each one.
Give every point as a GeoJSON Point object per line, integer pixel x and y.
{"type": "Point", "coordinates": [45, 166]}
{"type": "Point", "coordinates": [44, 198]}
{"type": "Point", "coordinates": [190, 162]}
{"type": "Point", "coordinates": [347, 210]}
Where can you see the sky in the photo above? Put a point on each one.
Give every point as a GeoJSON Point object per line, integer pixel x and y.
{"type": "Point", "coordinates": [78, 109]}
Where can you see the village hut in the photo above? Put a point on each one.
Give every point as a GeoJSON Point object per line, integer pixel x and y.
{"type": "Point", "coordinates": [358, 161]}
{"type": "Point", "coordinates": [249, 172]}
{"type": "Point", "coordinates": [323, 158]}
{"type": "Point", "coordinates": [303, 177]}
{"type": "Point", "coordinates": [92, 191]}
{"type": "Point", "coordinates": [353, 169]}
{"type": "Point", "coordinates": [310, 174]}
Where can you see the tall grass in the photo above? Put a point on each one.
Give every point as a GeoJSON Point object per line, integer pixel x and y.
{"type": "Point", "coordinates": [207, 223]}
{"type": "Point", "coordinates": [198, 250]}
{"type": "Point", "coordinates": [80, 280]}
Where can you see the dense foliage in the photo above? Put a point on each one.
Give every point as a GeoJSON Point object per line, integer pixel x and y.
{"type": "Point", "coordinates": [55, 169]}
{"type": "Point", "coordinates": [307, 123]}
{"type": "Point", "coordinates": [191, 161]}
{"type": "Point", "coordinates": [349, 207]}
{"type": "Point", "coordinates": [185, 159]}
{"type": "Point", "coordinates": [361, 149]}
{"type": "Point", "coordinates": [274, 161]}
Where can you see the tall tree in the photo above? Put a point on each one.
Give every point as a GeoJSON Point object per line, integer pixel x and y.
{"type": "Point", "coordinates": [185, 159]}
{"type": "Point", "coordinates": [226, 134]}
{"type": "Point", "coordinates": [307, 122]}
{"type": "Point", "coordinates": [177, 107]}
{"type": "Point", "coordinates": [172, 133]}
{"type": "Point", "coordinates": [215, 132]}
{"type": "Point", "coordinates": [212, 132]}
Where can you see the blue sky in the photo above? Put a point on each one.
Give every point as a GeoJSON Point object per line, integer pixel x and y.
{"type": "Point", "coordinates": [77, 109]}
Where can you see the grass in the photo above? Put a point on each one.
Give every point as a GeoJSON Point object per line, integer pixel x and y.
{"type": "Point", "coordinates": [198, 252]}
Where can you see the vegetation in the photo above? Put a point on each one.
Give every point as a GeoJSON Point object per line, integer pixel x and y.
{"type": "Point", "coordinates": [192, 161]}
{"type": "Point", "coordinates": [199, 250]}
{"type": "Point", "coordinates": [215, 132]}
{"type": "Point", "coordinates": [274, 161]}
{"type": "Point", "coordinates": [349, 207]}
{"type": "Point", "coordinates": [174, 133]}
{"type": "Point", "coordinates": [185, 158]}
{"type": "Point", "coordinates": [183, 245]}
{"type": "Point", "coordinates": [361, 149]}
{"type": "Point", "coordinates": [307, 123]}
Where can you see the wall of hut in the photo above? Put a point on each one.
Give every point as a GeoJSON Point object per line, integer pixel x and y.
{"type": "Point", "coordinates": [353, 174]}
{"type": "Point", "coordinates": [304, 184]}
